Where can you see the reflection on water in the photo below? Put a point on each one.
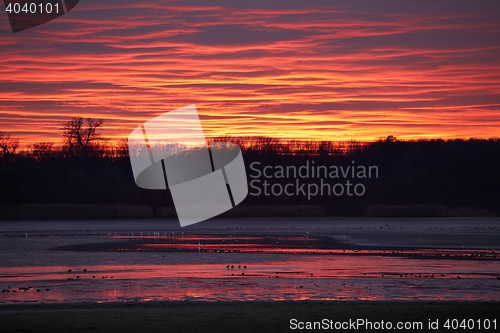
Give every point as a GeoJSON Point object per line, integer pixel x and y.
{"type": "Point", "coordinates": [289, 277]}
{"type": "Point", "coordinates": [215, 268]}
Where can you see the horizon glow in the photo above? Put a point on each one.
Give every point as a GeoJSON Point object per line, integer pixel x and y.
{"type": "Point", "coordinates": [318, 71]}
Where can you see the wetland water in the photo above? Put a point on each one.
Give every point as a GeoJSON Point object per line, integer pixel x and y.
{"type": "Point", "coordinates": [249, 259]}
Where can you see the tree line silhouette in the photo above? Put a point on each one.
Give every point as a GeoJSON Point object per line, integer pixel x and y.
{"type": "Point", "coordinates": [87, 169]}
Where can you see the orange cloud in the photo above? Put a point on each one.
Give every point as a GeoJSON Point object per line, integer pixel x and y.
{"type": "Point", "coordinates": [297, 71]}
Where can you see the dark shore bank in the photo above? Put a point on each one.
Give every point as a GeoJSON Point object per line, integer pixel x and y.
{"type": "Point", "coordinates": [231, 316]}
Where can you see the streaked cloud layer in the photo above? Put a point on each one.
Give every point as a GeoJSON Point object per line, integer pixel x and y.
{"type": "Point", "coordinates": [334, 70]}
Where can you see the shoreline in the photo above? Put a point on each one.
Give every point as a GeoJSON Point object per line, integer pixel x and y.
{"type": "Point", "coordinates": [245, 316]}
{"type": "Point", "coordinates": [368, 233]}
{"type": "Point", "coordinates": [96, 211]}
{"type": "Point", "coordinates": [202, 303]}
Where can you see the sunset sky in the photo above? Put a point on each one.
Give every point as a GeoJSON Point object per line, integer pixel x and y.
{"type": "Point", "coordinates": [324, 70]}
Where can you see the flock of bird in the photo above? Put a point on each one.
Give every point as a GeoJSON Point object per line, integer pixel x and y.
{"type": "Point", "coordinates": [232, 267]}
{"type": "Point", "coordinates": [84, 271]}
{"type": "Point", "coordinates": [9, 290]}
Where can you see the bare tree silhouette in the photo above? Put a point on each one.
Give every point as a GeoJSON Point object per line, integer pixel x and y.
{"type": "Point", "coordinates": [8, 146]}
{"type": "Point", "coordinates": [81, 138]}
{"type": "Point", "coordinates": [42, 150]}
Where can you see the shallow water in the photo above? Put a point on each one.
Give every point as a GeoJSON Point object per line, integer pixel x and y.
{"type": "Point", "coordinates": [34, 268]}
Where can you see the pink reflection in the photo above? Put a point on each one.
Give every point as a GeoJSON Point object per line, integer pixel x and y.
{"type": "Point", "coordinates": [277, 268]}
{"type": "Point", "coordinates": [365, 277]}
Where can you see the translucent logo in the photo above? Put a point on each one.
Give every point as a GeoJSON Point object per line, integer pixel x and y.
{"type": "Point", "coordinates": [170, 152]}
